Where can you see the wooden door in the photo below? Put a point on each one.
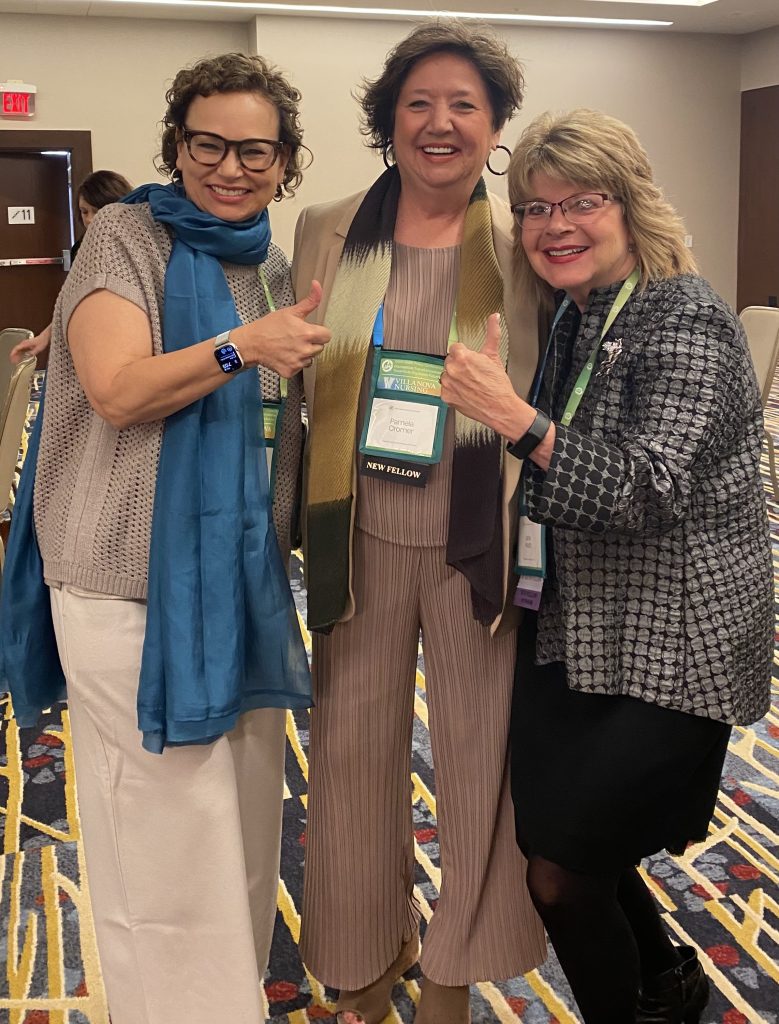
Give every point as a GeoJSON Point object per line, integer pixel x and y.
{"type": "Point", "coordinates": [39, 170]}
{"type": "Point", "coordinates": [35, 224]}
{"type": "Point", "coordinates": [758, 222]}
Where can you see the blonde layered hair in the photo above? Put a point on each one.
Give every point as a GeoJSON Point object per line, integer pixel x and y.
{"type": "Point", "coordinates": [598, 152]}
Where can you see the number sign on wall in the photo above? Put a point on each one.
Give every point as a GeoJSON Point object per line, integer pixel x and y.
{"type": "Point", "coordinates": [21, 214]}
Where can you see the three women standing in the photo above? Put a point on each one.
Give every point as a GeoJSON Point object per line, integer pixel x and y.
{"type": "Point", "coordinates": [415, 263]}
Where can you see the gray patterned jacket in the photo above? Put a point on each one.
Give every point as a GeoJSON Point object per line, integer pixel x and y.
{"type": "Point", "coordinates": [661, 582]}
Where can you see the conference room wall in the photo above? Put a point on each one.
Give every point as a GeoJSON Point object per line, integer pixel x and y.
{"type": "Point", "coordinates": [760, 60]}
{"type": "Point", "coordinates": [107, 76]}
{"type": "Point", "coordinates": [681, 92]}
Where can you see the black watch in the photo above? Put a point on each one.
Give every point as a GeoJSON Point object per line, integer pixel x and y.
{"type": "Point", "coordinates": [532, 437]}
{"type": "Point", "coordinates": [226, 354]}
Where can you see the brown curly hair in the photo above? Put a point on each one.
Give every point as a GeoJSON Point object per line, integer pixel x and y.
{"type": "Point", "coordinates": [476, 42]}
{"type": "Point", "coordinates": [234, 72]}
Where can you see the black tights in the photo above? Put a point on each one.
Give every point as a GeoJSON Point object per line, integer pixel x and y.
{"type": "Point", "coordinates": [607, 933]}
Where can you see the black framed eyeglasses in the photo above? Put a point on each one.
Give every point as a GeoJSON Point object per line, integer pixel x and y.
{"type": "Point", "coordinates": [578, 209]}
{"type": "Point", "coordinates": [210, 149]}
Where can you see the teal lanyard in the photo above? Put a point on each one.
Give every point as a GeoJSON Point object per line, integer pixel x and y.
{"type": "Point", "coordinates": [283, 384]}
{"type": "Point", "coordinates": [583, 379]}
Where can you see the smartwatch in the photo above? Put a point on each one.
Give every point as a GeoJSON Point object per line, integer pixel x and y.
{"type": "Point", "coordinates": [532, 437]}
{"type": "Point", "coordinates": [226, 354]}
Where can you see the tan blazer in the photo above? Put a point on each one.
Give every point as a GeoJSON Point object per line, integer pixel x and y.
{"type": "Point", "coordinates": [319, 239]}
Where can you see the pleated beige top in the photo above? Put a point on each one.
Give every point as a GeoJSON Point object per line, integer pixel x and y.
{"type": "Point", "coordinates": [417, 314]}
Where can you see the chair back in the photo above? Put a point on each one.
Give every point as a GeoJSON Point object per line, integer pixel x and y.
{"type": "Point", "coordinates": [761, 324]}
{"type": "Point", "coordinates": [12, 417]}
{"type": "Point", "coordinates": [9, 338]}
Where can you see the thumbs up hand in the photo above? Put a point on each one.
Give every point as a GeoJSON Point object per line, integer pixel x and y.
{"type": "Point", "coordinates": [284, 341]}
{"type": "Point", "coordinates": [491, 346]}
{"type": "Point", "coordinates": [307, 306]}
{"type": "Point", "coordinates": [476, 384]}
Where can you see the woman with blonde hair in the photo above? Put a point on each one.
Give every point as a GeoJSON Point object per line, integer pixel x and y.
{"type": "Point", "coordinates": [645, 562]}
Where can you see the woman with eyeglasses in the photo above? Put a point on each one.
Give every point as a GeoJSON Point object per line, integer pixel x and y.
{"type": "Point", "coordinates": [175, 343]}
{"type": "Point", "coordinates": [645, 562]}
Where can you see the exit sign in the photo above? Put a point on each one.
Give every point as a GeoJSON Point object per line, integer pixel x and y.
{"type": "Point", "coordinates": [17, 99]}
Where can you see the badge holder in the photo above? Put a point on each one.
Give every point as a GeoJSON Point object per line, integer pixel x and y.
{"type": "Point", "coordinates": [531, 558]}
{"type": "Point", "coordinates": [272, 413]}
{"type": "Point", "coordinates": [403, 433]}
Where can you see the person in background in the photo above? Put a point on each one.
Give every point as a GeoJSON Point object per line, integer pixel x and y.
{"type": "Point", "coordinates": [173, 622]}
{"type": "Point", "coordinates": [415, 262]}
{"type": "Point", "coordinates": [646, 568]}
{"type": "Point", "coordinates": [96, 191]}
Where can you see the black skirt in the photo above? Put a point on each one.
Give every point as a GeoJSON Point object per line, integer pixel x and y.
{"type": "Point", "coordinates": [599, 781]}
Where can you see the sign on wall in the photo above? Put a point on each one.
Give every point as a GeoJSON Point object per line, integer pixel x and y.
{"type": "Point", "coordinates": [21, 214]}
{"type": "Point", "coordinates": [17, 99]}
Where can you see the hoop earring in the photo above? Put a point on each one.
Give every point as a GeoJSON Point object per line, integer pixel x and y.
{"type": "Point", "coordinates": [278, 194]}
{"type": "Point", "coordinates": [498, 174]}
{"type": "Point", "coordinates": [385, 155]}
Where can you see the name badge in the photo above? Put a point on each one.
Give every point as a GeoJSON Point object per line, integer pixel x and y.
{"type": "Point", "coordinates": [271, 419]}
{"type": "Point", "coordinates": [531, 563]}
{"type": "Point", "coordinates": [406, 416]}
{"type": "Point", "coordinates": [401, 428]}
{"type": "Point", "coordinates": [270, 422]}
{"type": "Point", "coordinates": [531, 548]}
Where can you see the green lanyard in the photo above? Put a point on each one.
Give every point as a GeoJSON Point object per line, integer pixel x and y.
{"type": "Point", "coordinates": [583, 380]}
{"type": "Point", "coordinates": [283, 383]}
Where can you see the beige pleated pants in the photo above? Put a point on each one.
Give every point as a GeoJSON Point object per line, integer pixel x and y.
{"type": "Point", "coordinates": [358, 903]}
{"type": "Point", "coordinates": [182, 849]}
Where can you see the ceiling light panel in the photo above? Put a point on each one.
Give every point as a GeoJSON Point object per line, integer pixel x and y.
{"type": "Point", "coordinates": [388, 12]}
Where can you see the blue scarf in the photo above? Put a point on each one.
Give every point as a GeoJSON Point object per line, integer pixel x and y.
{"type": "Point", "coordinates": [221, 631]}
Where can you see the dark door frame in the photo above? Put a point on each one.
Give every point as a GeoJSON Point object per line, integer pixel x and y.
{"type": "Point", "coordinates": [33, 141]}
{"type": "Point", "coordinates": [758, 240]}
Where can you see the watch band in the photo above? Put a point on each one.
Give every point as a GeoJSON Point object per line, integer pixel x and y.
{"type": "Point", "coordinates": [532, 437]}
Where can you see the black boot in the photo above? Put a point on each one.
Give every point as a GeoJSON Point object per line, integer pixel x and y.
{"type": "Point", "coordinates": [677, 996]}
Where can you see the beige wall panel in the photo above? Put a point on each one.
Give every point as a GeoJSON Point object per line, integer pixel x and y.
{"type": "Point", "coordinates": [107, 76]}
{"type": "Point", "coordinates": [680, 92]}
{"type": "Point", "coordinates": [760, 59]}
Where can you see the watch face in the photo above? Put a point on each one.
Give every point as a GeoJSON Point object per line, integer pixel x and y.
{"type": "Point", "coordinates": [228, 358]}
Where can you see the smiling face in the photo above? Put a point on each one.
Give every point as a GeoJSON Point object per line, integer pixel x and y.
{"type": "Point", "coordinates": [578, 257]}
{"type": "Point", "coordinates": [228, 190]}
{"type": "Point", "coordinates": [443, 130]}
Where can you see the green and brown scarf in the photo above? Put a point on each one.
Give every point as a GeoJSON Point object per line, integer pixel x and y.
{"type": "Point", "coordinates": [475, 543]}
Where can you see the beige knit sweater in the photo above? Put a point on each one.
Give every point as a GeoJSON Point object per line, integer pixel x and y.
{"type": "Point", "coordinates": [94, 487]}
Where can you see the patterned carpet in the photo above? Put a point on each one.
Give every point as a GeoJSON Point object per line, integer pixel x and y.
{"type": "Point", "coordinates": [722, 897]}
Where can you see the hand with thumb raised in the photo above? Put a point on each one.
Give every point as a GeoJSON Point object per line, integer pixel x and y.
{"type": "Point", "coordinates": [307, 306]}
{"type": "Point", "coordinates": [284, 340]}
{"type": "Point", "coordinates": [491, 346]}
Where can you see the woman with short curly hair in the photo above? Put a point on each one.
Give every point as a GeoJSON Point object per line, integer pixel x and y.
{"type": "Point", "coordinates": [173, 624]}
